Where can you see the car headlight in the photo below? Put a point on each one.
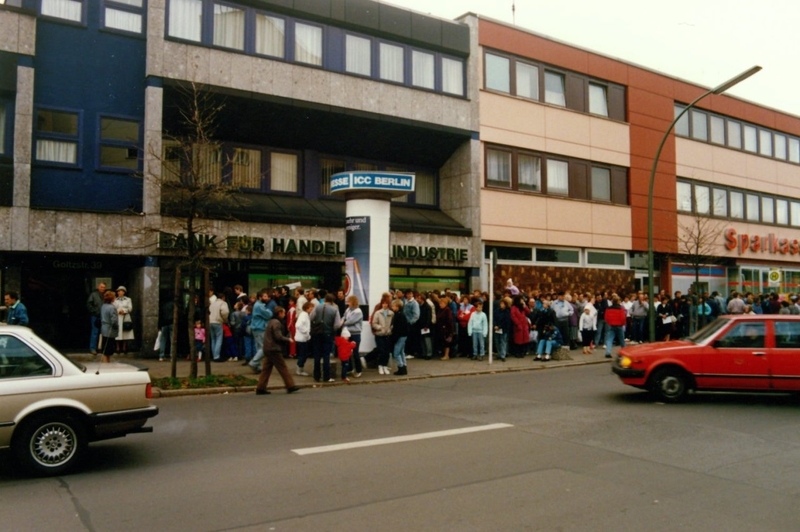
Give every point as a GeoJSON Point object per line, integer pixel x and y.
{"type": "Point", "coordinates": [625, 362]}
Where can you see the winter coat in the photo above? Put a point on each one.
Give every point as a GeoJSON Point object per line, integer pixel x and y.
{"type": "Point", "coordinates": [521, 326]}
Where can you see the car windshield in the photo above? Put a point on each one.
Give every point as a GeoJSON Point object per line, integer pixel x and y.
{"type": "Point", "coordinates": [708, 331]}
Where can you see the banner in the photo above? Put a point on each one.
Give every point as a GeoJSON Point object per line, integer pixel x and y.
{"type": "Point", "coordinates": [357, 245]}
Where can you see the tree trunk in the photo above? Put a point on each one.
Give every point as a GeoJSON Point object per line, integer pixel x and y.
{"type": "Point", "coordinates": [207, 350]}
{"type": "Point", "coordinates": [173, 341]}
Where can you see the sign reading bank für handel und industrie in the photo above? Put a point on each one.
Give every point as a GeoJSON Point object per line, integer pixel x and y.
{"type": "Point", "coordinates": [393, 182]}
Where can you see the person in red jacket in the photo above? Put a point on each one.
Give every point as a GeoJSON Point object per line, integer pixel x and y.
{"type": "Point", "coordinates": [616, 316]}
{"type": "Point", "coordinates": [521, 327]}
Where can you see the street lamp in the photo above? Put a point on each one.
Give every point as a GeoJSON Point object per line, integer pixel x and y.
{"type": "Point", "coordinates": [651, 316]}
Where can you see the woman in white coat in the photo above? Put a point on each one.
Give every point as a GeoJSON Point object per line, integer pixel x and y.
{"type": "Point", "coordinates": [124, 307]}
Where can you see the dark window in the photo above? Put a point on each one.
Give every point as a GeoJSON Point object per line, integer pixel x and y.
{"type": "Point", "coordinates": [119, 140]}
{"type": "Point", "coordinates": [787, 334]}
{"type": "Point", "coordinates": [606, 258]}
{"type": "Point", "coordinates": [57, 136]}
{"type": "Point", "coordinates": [570, 256]}
{"type": "Point", "coordinates": [509, 253]}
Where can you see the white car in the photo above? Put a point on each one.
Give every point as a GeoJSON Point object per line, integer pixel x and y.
{"type": "Point", "coordinates": [52, 407]}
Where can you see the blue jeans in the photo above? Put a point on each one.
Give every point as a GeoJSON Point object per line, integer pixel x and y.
{"type": "Point", "coordinates": [478, 347]}
{"type": "Point", "coordinates": [384, 344]}
{"type": "Point", "coordinates": [323, 345]}
{"type": "Point", "coordinates": [258, 340]}
{"type": "Point", "coordinates": [399, 351]}
{"type": "Point", "coordinates": [166, 339]}
{"type": "Point", "coordinates": [546, 346]}
{"type": "Point", "coordinates": [215, 329]}
{"type": "Point", "coordinates": [600, 333]}
{"type": "Point", "coordinates": [249, 347]}
{"type": "Point", "coordinates": [612, 333]}
{"type": "Point", "coordinates": [302, 349]}
{"type": "Point", "coordinates": [94, 336]}
{"type": "Point", "coordinates": [501, 343]}
{"type": "Point", "coordinates": [639, 328]}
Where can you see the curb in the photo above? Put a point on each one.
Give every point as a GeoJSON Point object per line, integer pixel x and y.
{"type": "Point", "coordinates": [158, 393]}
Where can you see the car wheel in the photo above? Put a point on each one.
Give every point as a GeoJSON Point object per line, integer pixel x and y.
{"type": "Point", "coordinates": [50, 445]}
{"type": "Point", "coordinates": [670, 385]}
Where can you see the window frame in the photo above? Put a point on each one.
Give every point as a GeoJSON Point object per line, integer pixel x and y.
{"type": "Point", "coordinates": [136, 145]}
{"type": "Point", "coordinates": [204, 38]}
{"type": "Point", "coordinates": [120, 6]}
{"type": "Point", "coordinates": [246, 33]}
{"type": "Point", "coordinates": [604, 87]}
{"type": "Point", "coordinates": [81, 23]}
{"type": "Point", "coordinates": [372, 58]}
{"type": "Point", "coordinates": [77, 138]}
{"type": "Point", "coordinates": [536, 249]}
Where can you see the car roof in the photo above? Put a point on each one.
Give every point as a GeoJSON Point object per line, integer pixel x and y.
{"type": "Point", "coordinates": [761, 317]}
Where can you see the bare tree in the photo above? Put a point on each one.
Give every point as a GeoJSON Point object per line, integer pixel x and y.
{"type": "Point", "coordinates": [192, 193]}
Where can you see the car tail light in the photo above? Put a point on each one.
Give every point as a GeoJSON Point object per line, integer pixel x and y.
{"type": "Point", "coordinates": [149, 390]}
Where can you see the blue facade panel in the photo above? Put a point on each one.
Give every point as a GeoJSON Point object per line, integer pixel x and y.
{"type": "Point", "coordinates": [94, 73]}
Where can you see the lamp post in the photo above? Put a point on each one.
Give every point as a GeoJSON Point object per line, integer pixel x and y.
{"type": "Point", "coordinates": [651, 316]}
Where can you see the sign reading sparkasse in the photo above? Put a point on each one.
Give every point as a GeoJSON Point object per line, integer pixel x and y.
{"type": "Point", "coordinates": [769, 243]}
{"type": "Point", "coordinates": [394, 182]}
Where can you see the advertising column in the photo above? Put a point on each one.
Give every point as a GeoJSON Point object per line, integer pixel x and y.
{"type": "Point", "coordinates": [368, 213]}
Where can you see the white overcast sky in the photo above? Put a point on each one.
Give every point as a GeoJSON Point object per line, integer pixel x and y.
{"type": "Point", "coordinates": [702, 41]}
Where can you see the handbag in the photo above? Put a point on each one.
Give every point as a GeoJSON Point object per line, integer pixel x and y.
{"type": "Point", "coordinates": [127, 325]}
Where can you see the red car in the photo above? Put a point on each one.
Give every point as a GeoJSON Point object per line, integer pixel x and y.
{"type": "Point", "coordinates": [753, 353]}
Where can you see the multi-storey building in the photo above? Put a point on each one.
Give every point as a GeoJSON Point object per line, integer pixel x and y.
{"type": "Point", "coordinates": [92, 91]}
{"type": "Point", "coordinates": [568, 138]}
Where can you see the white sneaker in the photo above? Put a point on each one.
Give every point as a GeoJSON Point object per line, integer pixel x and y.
{"type": "Point", "coordinates": [331, 380]}
{"type": "Point", "coordinates": [357, 374]}
{"type": "Point", "coordinates": [301, 372]}
{"type": "Point", "coordinates": [409, 357]}
{"type": "Point", "coordinates": [547, 357]}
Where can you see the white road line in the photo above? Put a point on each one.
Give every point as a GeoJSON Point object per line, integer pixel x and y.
{"type": "Point", "coordinates": [398, 439]}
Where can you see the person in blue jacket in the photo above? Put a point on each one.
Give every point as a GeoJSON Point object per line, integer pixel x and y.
{"type": "Point", "coordinates": [17, 313]}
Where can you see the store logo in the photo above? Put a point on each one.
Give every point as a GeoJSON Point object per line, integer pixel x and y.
{"type": "Point", "coordinates": [760, 244]}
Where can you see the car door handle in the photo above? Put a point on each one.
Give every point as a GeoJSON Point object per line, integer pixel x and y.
{"type": "Point", "coordinates": [759, 353]}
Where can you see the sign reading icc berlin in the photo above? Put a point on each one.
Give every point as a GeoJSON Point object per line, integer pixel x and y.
{"type": "Point", "coordinates": [376, 181]}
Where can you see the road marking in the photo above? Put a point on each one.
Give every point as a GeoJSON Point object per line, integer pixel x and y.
{"type": "Point", "coordinates": [398, 439]}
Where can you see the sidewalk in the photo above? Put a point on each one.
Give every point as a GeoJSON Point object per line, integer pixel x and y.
{"type": "Point", "coordinates": [417, 369]}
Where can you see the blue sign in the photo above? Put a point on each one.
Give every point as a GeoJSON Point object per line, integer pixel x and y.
{"type": "Point", "coordinates": [393, 182]}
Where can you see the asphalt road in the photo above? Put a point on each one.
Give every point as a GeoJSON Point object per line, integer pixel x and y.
{"type": "Point", "coordinates": [583, 452]}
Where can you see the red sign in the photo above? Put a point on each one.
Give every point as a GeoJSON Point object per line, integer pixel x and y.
{"type": "Point", "coordinates": [760, 243]}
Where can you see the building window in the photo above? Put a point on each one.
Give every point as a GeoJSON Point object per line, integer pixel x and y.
{"type": "Point", "coordinates": [425, 188]}
{"type": "Point", "coordinates": [124, 15]}
{"type": "Point", "coordinates": [186, 19]}
{"type": "Point", "coordinates": [720, 202]}
{"type": "Point", "coordinates": [246, 168]}
{"type": "Point", "coordinates": [529, 171]}
{"type": "Point", "coordinates": [452, 76]}
{"type": "Point", "coordinates": [228, 27]}
{"type": "Point", "coordinates": [767, 210]}
{"type": "Point", "coordinates": [750, 139]}
{"type": "Point", "coordinates": [699, 125]}
{"type": "Point", "coordinates": [308, 44]}
{"type": "Point", "coordinates": [119, 139]}
{"type": "Point", "coordinates": [737, 205]}
{"type": "Point", "coordinates": [498, 168]}
{"type": "Point", "coordinates": [527, 81]}
{"type": "Point", "coordinates": [497, 73]}
{"type": "Point", "coordinates": [605, 258]}
{"type": "Point", "coordinates": [794, 150]}
{"type": "Point", "coordinates": [782, 212]}
{"type": "Point", "coordinates": [598, 99]}
{"type": "Point", "coordinates": [734, 134]}
{"type": "Point", "coordinates": [601, 184]}
{"type": "Point", "coordinates": [682, 125]}
{"type": "Point", "coordinates": [358, 55]}
{"type": "Point", "coordinates": [702, 201]}
{"type": "Point", "coordinates": [509, 253]}
{"type": "Point", "coordinates": [684, 196]}
{"type": "Point", "coordinates": [57, 136]}
{"type": "Point", "coordinates": [64, 9]}
{"type": "Point", "coordinates": [717, 130]}
{"type": "Point", "coordinates": [270, 35]}
{"type": "Point", "coordinates": [554, 88]}
{"type": "Point", "coordinates": [328, 167]}
{"type": "Point", "coordinates": [780, 146]}
{"type": "Point", "coordinates": [765, 142]}
{"type": "Point", "coordinates": [557, 177]}
{"type": "Point", "coordinates": [564, 256]}
{"type": "Point", "coordinates": [392, 59]}
{"type": "Point", "coordinates": [422, 69]}
{"type": "Point", "coordinates": [752, 208]}
{"type": "Point", "coordinates": [283, 172]}
{"type": "Point", "coordinates": [207, 164]}
{"type": "Point", "coordinates": [795, 213]}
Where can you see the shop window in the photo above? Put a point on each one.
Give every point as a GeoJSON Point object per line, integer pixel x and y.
{"type": "Point", "coordinates": [270, 35]}
{"type": "Point", "coordinates": [507, 253]}
{"type": "Point", "coordinates": [308, 44]}
{"type": "Point", "coordinates": [186, 19]}
{"type": "Point", "coordinates": [124, 15]}
{"type": "Point", "coordinates": [57, 135]}
{"type": "Point", "coordinates": [358, 55]}
{"type": "Point", "coordinates": [119, 141]}
{"type": "Point", "coordinates": [605, 258]}
{"type": "Point", "coordinates": [392, 59]}
{"type": "Point", "coordinates": [228, 26]}
{"type": "Point", "coordinates": [563, 256]}
{"type": "Point", "coordinates": [71, 10]}
{"type": "Point", "coordinates": [598, 99]}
